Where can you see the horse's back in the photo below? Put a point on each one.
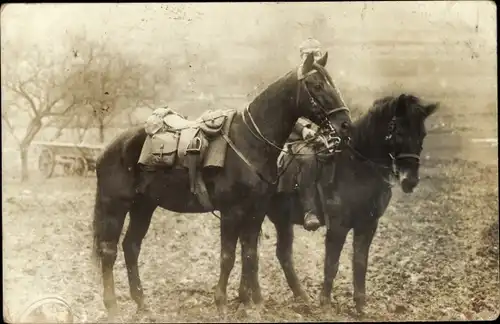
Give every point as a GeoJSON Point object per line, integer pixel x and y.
{"type": "Point", "coordinates": [116, 167]}
{"type": "Point", "coordinates": [126, 147]}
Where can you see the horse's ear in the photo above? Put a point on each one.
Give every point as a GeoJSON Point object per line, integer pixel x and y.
{"type": "Point", "coordinates": [322, 61]}
{"type": "Point", "coordinates": [308, 64]}
{"type": "Point", "coordinates": [430, 109]}
{"type": "Point", "coordinates": [401, 105]}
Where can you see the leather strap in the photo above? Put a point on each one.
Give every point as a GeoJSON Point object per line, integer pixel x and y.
{"type": "Point", "coordinates": [250, 165]}
{"type": "Point", "coordinates": [202, 192]}
{"type": "Point", "coordinates": [196, 182]}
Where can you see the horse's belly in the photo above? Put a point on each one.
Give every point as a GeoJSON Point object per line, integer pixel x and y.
{"type": "Point", "coordinates": [170, 190]}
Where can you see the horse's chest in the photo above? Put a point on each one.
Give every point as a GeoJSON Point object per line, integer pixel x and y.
{"type": "Point", "coordinates": [353, 193]}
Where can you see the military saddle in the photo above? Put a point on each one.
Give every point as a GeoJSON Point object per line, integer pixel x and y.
{"type": "Point", "coordinates": [174, 141]}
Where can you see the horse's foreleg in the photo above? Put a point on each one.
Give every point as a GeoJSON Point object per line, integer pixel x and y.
{"type": "Point", "coordinates": [229, 231]}
{"type": "Point", "coordinates": [249, 284]}
{"type": "Point", "coordinates": [362, 240]}
{"type": "Point", "coordinates": [284, 253]}
{"type": "Point", "coordinates": [140, 219]}
{"type": "Point", "coordinates": [334, 242]}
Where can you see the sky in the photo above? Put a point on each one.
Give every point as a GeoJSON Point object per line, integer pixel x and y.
{"type": "Point", "coordinates": [132, 25]}
{"type": "Point", "coordinates": [157, 32]}
{"type": "Point", "coordinates": [240, 32]}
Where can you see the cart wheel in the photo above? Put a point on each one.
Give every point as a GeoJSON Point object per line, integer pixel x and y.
{"type": "Point", "coordinates": [47, 310]}
{"type": "Point", "coordinates": [80, 166]}
{"type": "Point", "coordinates": [46, 163]}
{"type": "Point", "coordinates": [68, 169]}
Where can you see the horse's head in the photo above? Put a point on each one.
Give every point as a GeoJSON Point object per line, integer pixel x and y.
{"type": "Point", "coordinates": [320, 101]}
{"type": "Point", "coordinates": [405, 138]}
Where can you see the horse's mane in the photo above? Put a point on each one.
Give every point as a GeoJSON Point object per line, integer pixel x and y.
{"type": "Point", "coordinates": [271, 89]}
{"type": "Point", "coordinates": [376, 119]}
{"type": "Point", "coordinates": [370, 122]}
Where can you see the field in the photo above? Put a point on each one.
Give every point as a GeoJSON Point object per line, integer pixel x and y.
{"type": "Point", "coordinates": [435, 256]}
{"type": "Point", "coordinates": [436, 253]}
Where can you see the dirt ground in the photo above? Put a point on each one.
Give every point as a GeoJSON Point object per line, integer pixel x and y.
{"type": "Point", "coordinates": [435, 256]}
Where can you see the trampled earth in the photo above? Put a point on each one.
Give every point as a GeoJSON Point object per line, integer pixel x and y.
{"type": "Point", "coordinates": [435, 256]}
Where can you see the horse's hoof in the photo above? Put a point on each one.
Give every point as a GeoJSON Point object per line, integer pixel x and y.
{"type": "Point", "coordinates": [360, 310]}
{"type": "Point", "coordinates": [303, 298]}
{"type": "Point", "coordinates": [302, 306]}
{"type": "Point", "coordinates": [257, 299]}
{"type": "Point", "coordinates": [360, 313]}
{"type": "Point", "coordinates": [311, 222]}
{"type": "Point", "coordinates": [324, 301]}
{"type": "Point", "coordinates": [220, 299]}
{"type": "Point", "coordinates": [260, 307]}
{"type": "Point", "coordinates": [222, 312]}
{"type": "Point", "coordinates": [360, 303]}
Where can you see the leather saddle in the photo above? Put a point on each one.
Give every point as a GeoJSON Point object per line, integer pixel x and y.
{"type": "Point", "coordinates": [175, 141]}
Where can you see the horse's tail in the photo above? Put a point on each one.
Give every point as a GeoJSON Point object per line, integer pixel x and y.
{"type": "Point", "coordinates": [97, 224]}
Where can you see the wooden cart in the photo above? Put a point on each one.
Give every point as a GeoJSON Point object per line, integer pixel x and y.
{"type": "Point", "coordinates": [75, 159]}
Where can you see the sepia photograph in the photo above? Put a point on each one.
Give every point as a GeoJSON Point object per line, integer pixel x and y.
{"type": "Point", "coordinates": [249, 162]}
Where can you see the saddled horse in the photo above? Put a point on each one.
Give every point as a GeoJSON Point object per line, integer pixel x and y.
{"type": "Point", "coordinates": [240, 190]}
{"type": "Point", "coordinates": [386, 142]}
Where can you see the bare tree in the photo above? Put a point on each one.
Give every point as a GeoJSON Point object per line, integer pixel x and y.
{"type": "Point", "coordinates": [34, 88]}
{"type": "Point", "coordinates": [88, 85]}
{"type": "Point", "coordinates": [110, 84]}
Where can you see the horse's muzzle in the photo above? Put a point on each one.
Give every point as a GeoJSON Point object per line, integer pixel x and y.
{"type": "Point", "coordinates": [408, 184]}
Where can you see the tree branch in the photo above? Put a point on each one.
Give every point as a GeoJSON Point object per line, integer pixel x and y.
{"type": "Point", "coordinates": [10, 128]}
{"type": "Point", "coordinates": [20, 90]}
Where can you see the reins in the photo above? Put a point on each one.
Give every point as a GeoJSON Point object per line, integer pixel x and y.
{"type": "Point", "coordinates": [257, 133]}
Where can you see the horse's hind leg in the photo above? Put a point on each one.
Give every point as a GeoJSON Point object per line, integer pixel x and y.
{"type": "Point", "coordinates": [108, 224]}
{"type": "Point", "coordinates": [229, 230]}
{"type": "Point", "coordinates": [140, 218]}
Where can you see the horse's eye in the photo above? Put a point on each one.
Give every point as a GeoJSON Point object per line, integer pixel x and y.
{"type": "Point", "coordinates": [318, 86]}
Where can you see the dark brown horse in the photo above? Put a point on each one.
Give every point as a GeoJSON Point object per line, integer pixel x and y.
{"type": "Point", "coordinates": [240, 191]}
{"type": "Point", "coordinates": [386, 141]}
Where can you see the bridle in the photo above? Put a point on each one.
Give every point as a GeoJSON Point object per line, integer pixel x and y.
{"type": "Point", "coordinates": [390, 139]}
{"type": "Point", "coordinates": [332, 137]}
{"type": "Point", "coordinates": [333, 140]}
{"type": "Point", "coordinates": [394, 157]}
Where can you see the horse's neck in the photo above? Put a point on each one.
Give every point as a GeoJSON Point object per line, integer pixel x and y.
{"type": "Point", "coordinates": [368, 137]}
{"type": "Point", "coordinates": [274, 111]}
